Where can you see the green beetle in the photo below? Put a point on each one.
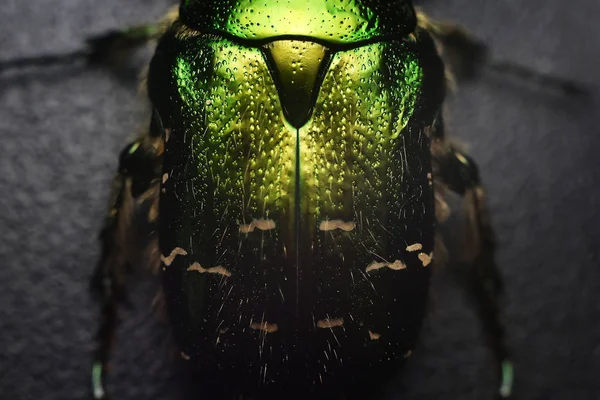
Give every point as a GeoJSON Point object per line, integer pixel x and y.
{"type": "Point", "coordinates": [290, 183]}
{"type": "Point", "coordinates": [292, 190]}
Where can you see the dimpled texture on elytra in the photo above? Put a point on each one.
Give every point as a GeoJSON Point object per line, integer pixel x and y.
{"type": "Point", "coordinates": [249, 195]}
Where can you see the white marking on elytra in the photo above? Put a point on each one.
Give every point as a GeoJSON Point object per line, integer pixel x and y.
{"type": "Point", "coordinates": [426, 258]}
{"type": "Point", "coordinates": [262, 224]}
{"type": "Point", "coordinates": [185, 356]}
{"type": "Point", "coordinates": [167, 134]}
{"type": "Point", "coordinates": [414, 247]}
{"type": "Point", "coordinates": [212, 270]}
{"type": "Point", "coordinates": [165, 177]}
{"type": "Point", "coordinates": [330, 323]}
{"type": "Point", "coordinates": [396, 266]}
{"type": "Point", "coordinates": [264, 326]}
{"type": "Point", "coordinates": [374, 336]}
{"type": "Point", "coordinates": [177, 251]}
{"type": "Point", "coordinates": [331, 225]}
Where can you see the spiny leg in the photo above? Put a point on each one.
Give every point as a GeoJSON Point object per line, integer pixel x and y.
{"type": "Point", "coordinates": [455, 171]}
{"type": "Point", "coordinates": [485, 282]}
{"type": "Point", "coordinates": [135, 188]}
{"type": "Point", "coordinates": [108, 282]}
{"type": "Point", "coordinates": [487, 287]}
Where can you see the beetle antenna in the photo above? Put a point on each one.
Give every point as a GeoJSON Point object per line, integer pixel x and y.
{"type": "Point", "coordinates": [108, 47]}
{"type": "Point", "coordinates": [42, 61]}
{"type": "Point", "coordinates": [468, 58]}
{"type": "Point", "coordinates": [566, 86]}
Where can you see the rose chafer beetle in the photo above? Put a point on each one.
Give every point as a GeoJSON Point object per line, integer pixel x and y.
{"type": "Point", "coordinates": [294, 190]}
{"type": "Point", "coordinates": [288, 191]}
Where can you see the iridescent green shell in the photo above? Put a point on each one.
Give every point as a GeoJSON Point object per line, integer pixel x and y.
{"type": "Point", "coordinates": [296, 249]}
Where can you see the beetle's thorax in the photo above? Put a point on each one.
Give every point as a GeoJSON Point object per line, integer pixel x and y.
{"type": "Point", "coordinates": [345, 21]}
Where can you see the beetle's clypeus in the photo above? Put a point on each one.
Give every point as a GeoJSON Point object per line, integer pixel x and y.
{"type": "Point", "coordinates": [290, 183]}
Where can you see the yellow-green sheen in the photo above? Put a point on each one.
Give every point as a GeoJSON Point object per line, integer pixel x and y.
{"type": "Point", "coordinates": [257, 19]}
{"type": "Point", "coordinates": [295, 165]}
{"type": "Point", "coordinates": [339, 21]}
{"type": "Point", "coordinates": [242, 143]}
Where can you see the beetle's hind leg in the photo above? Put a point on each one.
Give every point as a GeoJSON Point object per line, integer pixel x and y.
{"type": "Point", "coordinates": [125, 240]}
{"type": "Point", "coordinates": [455, 172]}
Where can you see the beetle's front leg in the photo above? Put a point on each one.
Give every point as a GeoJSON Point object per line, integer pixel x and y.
{"type": "Point", "coordinates": [128, 236]}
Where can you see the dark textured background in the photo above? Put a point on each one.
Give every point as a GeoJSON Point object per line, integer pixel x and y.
{"type": "Point", "coordinates": [61, 131]}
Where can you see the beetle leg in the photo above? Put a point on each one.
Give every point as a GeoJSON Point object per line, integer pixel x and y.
{"type": "Point", "coordinates": [135, 191]}
{"type": "Point", "coordinates": [454, 171]}
{"type": "Point", "coordinates": [486, 285]}
{"type": "Point", "coordinates": [108, 281]}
